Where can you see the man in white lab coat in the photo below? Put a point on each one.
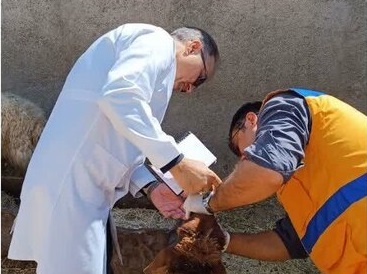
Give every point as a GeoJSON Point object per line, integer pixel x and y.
{"type": "Point", "coordinates": [104, 124]}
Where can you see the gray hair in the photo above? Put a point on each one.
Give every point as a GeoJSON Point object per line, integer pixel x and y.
{"type": "Point", "coordinates": [189, 33]}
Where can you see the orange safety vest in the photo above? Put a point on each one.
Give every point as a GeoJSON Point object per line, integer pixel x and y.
{"type": "Point", "coordinates": [326, 198]}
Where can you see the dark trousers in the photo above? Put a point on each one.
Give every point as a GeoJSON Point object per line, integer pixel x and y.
{"type": "Point", "coordinates": [109, 247]}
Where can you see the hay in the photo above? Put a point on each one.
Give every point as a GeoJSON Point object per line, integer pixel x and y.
{"type": "Point", "coordinates": [17, 267]}
{"type": "Point", "coordinates": [139, 218]}
{"type": "Point", "coordinates": [8, 203]}
{"type": "Point", "coordinates": [239, 265]}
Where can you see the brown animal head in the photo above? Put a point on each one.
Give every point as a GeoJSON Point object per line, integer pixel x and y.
{"type": "Point", "coordinates": [198, 249]}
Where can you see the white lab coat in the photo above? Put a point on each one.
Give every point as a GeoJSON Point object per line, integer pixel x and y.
{"type": "Point", "coordinates": [106, 119]}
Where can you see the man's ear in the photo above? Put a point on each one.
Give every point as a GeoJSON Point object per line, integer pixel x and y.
{"type": "Point", "coordinates": [251, 119]}
{"type": "Point", "coordinates": [161, 262]}
{"type": "Point", "coordinates": [194, 46]}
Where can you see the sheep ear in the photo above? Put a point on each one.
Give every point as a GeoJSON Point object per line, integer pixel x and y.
{"type": "Point", "coordinates": [161, 262]}
{"type": "Point", "coordinates": [219, 269]}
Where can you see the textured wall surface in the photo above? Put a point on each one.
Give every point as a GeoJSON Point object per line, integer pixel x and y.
{"type": "Point", "coordinates": [264, 45]}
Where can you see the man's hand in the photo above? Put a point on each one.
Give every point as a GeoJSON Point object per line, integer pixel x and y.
{"type": "Point", "coordinates": [167, 202]}
{"type": "Point", "coordinates": [194, 176]}
{"type": "Point", "coordinates": [194, 203]}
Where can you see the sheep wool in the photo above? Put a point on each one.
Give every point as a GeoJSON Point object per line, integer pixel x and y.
{"type": "Point", "coordinates": [22, 122]}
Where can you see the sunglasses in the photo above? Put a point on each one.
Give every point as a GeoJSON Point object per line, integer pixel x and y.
{"type": "Point", "coordinates": [201, 79]}
{"type": "Point", "coordinates": [234, 148]}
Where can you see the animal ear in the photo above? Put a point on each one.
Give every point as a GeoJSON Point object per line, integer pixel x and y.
{"type": "Point", "coordinates": [161, 262]}
{"type": "Point", "coordinates": [218, 269]}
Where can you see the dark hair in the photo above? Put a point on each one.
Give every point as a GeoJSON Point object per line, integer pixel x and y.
{"type": "Point", "coordinates": [238, 117]}
{"type": "Point", "coordinates": [189, 33]}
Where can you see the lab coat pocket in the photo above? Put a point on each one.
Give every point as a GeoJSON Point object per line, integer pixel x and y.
{"type": "Point", "coordinates": [104, 173]}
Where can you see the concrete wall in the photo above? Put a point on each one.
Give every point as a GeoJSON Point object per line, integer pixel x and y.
{"type": "Point", "coordinates": [264, 45]}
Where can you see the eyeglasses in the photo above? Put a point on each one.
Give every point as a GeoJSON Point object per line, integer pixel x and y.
{"type": "Point", "coordinates": [201, 79]}
{"type": "Point", "coordinates": [234, 148]}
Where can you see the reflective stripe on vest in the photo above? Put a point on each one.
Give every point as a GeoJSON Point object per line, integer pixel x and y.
{"type": "Point", "coordinates": [307, 92]}
{"type": "Point", "coordinates": [333, 208]}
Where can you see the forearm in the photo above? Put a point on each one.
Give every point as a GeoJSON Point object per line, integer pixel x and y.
{"type": "Point", "coordinates": [266, 246]}
{"type": "Point", "coordinates": [248, 183]}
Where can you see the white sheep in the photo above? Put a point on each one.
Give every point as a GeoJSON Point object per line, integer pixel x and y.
{"type": "Point", "coordinates": [21, 125]}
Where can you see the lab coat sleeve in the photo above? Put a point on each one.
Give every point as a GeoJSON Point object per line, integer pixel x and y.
{"type": "Point", "coordinates": [126, 95]}
{"type": "Point", "coordinates": [140, 178]}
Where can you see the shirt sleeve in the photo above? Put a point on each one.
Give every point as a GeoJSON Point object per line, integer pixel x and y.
{"type": "Point", "coordinates": [282, 134]}
{"type": "Point", "coordinates": [289, 237]}
{"type": "Point", "coordinates": [128, 90]}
